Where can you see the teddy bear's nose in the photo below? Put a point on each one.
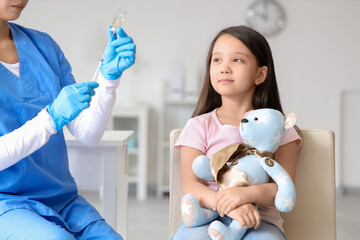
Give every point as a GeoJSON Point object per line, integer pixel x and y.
{"type": "Point", "coordinates": [244, 120]}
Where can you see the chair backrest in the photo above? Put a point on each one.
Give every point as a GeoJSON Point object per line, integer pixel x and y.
{"type": "Point", "coordinates": [175, 184]}
{"type": "Point", "coordinates": [314, 214]}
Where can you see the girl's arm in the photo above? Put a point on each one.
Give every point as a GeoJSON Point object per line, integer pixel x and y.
{"type": "Point", "coordinates": [263, 194]}
{"type": "Point", "coordinates": [247, 216]}
{"type": "Point", "coordinates": [190, 182]}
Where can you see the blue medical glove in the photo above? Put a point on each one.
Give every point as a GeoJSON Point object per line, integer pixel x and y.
{"type": "Point", "coordinates": [71, 100]}
{"type": "Point", "coordinates": [119, 54]}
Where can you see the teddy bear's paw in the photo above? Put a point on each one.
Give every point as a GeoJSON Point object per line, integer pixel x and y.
{"type": "Point", "coordinates": [215, 234]}
{"type": "Point", "coordinates": [187, 211]}
{"type": "Point", "coordinates": [218, 230]}
{"type": "Point", "coordinates": [193, 214]}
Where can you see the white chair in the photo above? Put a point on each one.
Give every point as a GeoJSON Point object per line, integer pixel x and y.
{"type": "Point", "coordinates": [314, 214]}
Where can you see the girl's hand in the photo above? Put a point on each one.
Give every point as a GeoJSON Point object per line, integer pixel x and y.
{"type": "Point", "coordinates": [228, 199]}
{"type": "Point", "coordinates": [247, 216]}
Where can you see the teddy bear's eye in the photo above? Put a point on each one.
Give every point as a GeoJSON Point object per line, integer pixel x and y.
{"type": "Point", "coordinates": [256, 119]}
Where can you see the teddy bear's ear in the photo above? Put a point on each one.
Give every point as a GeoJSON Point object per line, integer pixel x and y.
{"type": "Point", "coordinates": [290, 120]}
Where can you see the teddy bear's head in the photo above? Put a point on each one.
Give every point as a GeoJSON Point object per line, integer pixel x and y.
{"type": "Point", "coordinates": [264, 128]}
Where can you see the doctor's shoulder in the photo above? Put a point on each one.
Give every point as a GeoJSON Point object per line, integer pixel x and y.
{"type": "Point", "coordinates": [42, 40]}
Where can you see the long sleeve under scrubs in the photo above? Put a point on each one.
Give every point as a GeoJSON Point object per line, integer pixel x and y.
{"type": "Point", "coordinates": [34, 171]}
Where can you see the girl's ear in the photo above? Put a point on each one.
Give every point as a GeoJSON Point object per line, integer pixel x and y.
{"type": "Point", "coordinates": [261, 75]}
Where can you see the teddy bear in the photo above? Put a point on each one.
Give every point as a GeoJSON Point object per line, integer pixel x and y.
{"type": "Point", "coordinates": [244, 164]}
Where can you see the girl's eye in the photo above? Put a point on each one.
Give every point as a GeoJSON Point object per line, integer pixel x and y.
{"type": "Point", "coordinates": [238, 60]}
{"type": "Point", "coordinates": [216, 60]}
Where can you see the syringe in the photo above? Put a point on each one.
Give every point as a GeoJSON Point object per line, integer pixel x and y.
{"type": "Point", "coordinates": [116, 24]}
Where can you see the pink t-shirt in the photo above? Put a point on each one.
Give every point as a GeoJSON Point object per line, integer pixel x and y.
{"type": "Point", "coordinates": [207, 134]}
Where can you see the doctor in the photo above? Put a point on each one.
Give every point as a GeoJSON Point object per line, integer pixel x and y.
{"type": "Point", "coordinates": [38, 96]}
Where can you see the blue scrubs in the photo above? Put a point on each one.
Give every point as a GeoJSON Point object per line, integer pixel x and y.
{"type": "Point", "coordinates": [41, 182]}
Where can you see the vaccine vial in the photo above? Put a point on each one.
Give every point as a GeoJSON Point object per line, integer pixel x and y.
{"type": "Point", "coordinates": [118, 20]}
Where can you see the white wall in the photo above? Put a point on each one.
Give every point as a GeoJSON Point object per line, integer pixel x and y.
{"type": "Point", "coordinates": [316, 56]}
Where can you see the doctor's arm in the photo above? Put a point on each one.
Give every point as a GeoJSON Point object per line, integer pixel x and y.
{"type": "Point", "coordinates": [25, 140]}
{"type": "Point", "coordinates": [28, 138]}
{"type": "Point", "coordinates": [90, 125]}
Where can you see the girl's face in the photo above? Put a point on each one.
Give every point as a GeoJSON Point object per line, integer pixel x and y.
{"type": "Point", "coordinates": [233, 68]}
{"type": "Point", "coordinates": [11, 9]}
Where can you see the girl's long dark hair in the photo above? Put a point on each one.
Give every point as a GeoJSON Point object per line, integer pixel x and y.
{"type": "Point", "coordinates": [266, 94]}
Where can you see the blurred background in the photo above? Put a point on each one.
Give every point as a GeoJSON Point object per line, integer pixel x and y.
{"type": "Point", "coordinates": [316, 54]}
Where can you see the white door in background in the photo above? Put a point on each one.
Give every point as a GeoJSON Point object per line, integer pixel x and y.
{"type": "Point", "coordinates": [350, 141]}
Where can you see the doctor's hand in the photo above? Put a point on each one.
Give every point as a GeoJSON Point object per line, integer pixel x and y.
{"type": "Point", "coordinates": [119, 54]}
{"type": "Point", "coordinates": [71, 100]}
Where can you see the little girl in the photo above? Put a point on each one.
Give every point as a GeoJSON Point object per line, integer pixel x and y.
{"type": "Point", "coordinates": [240, 76]}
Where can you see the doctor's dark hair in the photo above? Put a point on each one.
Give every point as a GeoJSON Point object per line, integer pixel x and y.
{"type": "Point", "coordinates": [266, 94]}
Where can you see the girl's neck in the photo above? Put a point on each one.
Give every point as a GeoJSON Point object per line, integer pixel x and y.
{"type": "Point", "coordinates": [232, 111]}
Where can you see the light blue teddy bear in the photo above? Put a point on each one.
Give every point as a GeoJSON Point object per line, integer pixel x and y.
{"type": "Point", "coordinates": [245, 164]}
